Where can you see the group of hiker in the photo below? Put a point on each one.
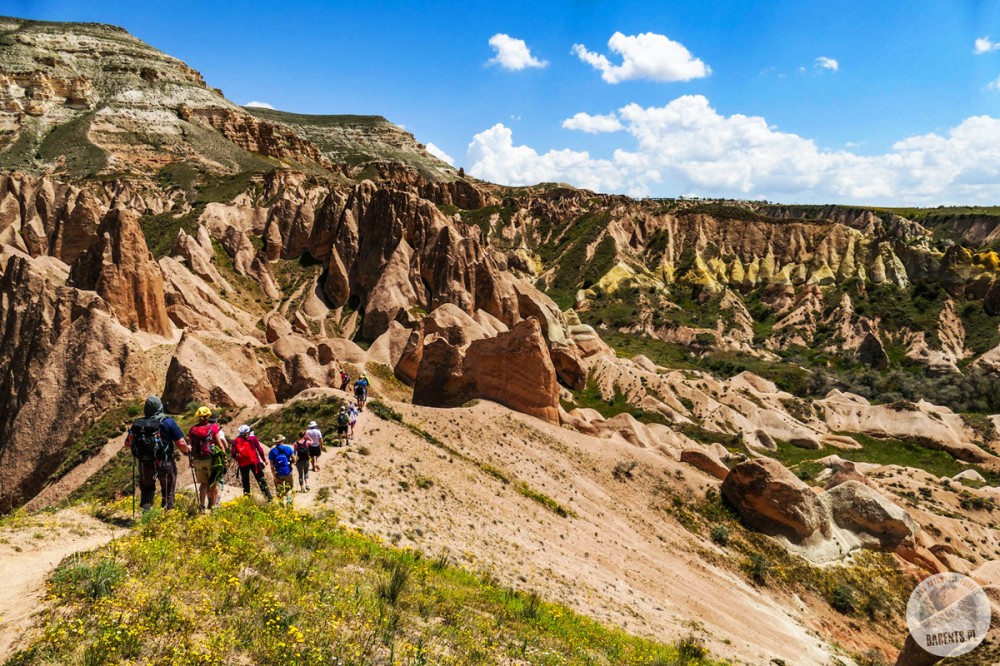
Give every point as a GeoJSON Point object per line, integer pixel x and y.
{"type": "Point", "coordinates": [157, 442]}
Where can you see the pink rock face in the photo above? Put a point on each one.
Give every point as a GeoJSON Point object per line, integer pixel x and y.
{"type": "Point", "coordinates": [196, 373]}
{"type": "Point", "coordinates": [66, 362]}
{"type": "Point", "coordinates": [120, 268]}
{"type": "Point", "coordinates": [512, 368]}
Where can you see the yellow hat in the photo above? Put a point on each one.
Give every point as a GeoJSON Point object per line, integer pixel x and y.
{"type": "Point", "coordinates": [203, 413]}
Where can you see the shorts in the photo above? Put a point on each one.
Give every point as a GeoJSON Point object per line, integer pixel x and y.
{"type": "Point", "coordinates": [208, 471]}
{"type": "Point", "coordinates": [282, 482]}
{"type": "Point", "coordinates": [314, 451]}
{"type": "Point", "coordinates": [341, 430]}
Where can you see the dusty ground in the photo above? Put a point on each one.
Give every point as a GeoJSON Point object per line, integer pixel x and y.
{"type": "Point", "coordinates": [620, 559]}
{"type": "Point", "coordinates": [29, 549]}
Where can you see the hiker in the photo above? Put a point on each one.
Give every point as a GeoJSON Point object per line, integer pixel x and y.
{"type": "Point", "coordinates": [153, 440]}
{"type": "Point", "coordinates": [352, 416]}
{"type": "Point", "coordinates": [282, 457]}
{"type": "Point", "coordinates": [208, 457]}
{"type": "Point", "coordinates": [302, 459]}
{"type": "Point", "coordinates": [249, 456]}
{"type": "Point", "coordinates": [343, 421]}
{"type": "Point", "coordinates": [316, 444]}
{"type": "Point", "coordinates": [361, 392]}
{"type": "Point", "coordinates": [345, 379]}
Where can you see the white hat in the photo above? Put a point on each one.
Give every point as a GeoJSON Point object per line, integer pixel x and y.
{"type": "Point", "coordinates": [243, 429]}
{"type": "Point", "coordinates": [312, 424]}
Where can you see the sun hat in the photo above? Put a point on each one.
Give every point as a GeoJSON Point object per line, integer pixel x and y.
{"type": "Point", "coordinates": [312, 424]}
{"type": "Point", "coordinates": [243, 429]}
{"type": "Point", "coordinates": [278, 439]}
{"type": "Point", "coordinates": [203, 413]}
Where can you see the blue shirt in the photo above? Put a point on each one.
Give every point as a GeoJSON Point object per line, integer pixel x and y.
{"type": "Point", "coordinates": [281, 457]}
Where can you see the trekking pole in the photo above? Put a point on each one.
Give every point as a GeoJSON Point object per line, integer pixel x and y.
{"type": "Point", "coordinates": [194, 481]}
{"type": "Point", "coordinates": [133, 487]}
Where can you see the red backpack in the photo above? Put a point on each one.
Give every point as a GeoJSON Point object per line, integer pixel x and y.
{"type": "Point", "coordinates": [244, 452]}
{"type": "Point", "coordinates": [202, 440]}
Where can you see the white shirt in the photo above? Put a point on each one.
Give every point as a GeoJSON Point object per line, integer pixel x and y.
{"type": "Point", "coordinates": [315, 435]}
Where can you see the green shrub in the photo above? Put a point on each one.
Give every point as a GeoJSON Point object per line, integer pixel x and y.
{"type": "Point", "coordinates": [843, 600]}
{"type": "Point", "coordinates": [720, 535]}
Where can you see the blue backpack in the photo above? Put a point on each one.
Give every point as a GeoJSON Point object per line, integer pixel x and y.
{"type": "Point", "coordinates": [281, 456]}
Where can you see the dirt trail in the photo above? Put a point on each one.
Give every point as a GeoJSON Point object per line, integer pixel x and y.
{"type": "Point", "coordinates": [30, 549]}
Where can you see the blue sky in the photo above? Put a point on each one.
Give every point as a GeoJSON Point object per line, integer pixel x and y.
{"type": "Point", "coordinates": [724, 99]}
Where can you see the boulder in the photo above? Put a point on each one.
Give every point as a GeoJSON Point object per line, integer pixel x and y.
{"type": "Point", "coordinates": [705, 461]}
{"type": "Point", "coordinates": [804, 439]}
{"type": "Point", "coordinates": [870, 515]}
{"type": "Point", "coordinates": [772, 500]}
{"type": "Point", "coordinates": [842, 473]}
{"type": "Point", "coordinates": [276, 327]}
{"type": "Point", "coordinates": [569, 367]}
{"type": "Point", "coordinates": [121, 269]}
{"type": "Point", "coordinates": [198, 374]}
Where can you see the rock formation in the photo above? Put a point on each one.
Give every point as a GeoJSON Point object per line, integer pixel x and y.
{"type": "Point", "coordinates": [120, 268]}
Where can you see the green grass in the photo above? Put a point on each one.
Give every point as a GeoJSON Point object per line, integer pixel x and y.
{"type": "Point", "coordinates": [266, 585]}
{"type": "Point", "coordinates": [161, 230]}
{"type": "Point", "coordinates": [882, 452]}
{"type": "Point", "coordinates": [294, 418]}
{"type": "Point", "coordinates": [112, 481]}
{"type": "Point", "coordinates": [591, 397]}
{"type": "Point", "coordinates": [113, 423]}
{"type": "Point", "coordinates": [70, 140]}
{"type": "Point", "coordinates": [555, 507]}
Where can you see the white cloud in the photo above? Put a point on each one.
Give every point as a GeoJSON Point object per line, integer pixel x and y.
{"type": "Point", "coordinates": [593, 124]}
{"type": "Point", "coordinates": [994, 84]}
{"type": "Point", "coordinates": [259, 105]}
{"type": "Point", "coordinates": [687, 146]}
{"type": "Point", "coordinates": [440, 154]}
{"type": "Point", "coordinates": [823, 62]}
{"type": "Point", "coordinates": [645, 56]}
{"type": "Point", "coordinates": [984, 45]}
{"type": "Point", "coordinates": [512, 54]}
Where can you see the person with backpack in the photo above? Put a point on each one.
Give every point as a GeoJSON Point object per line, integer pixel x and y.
{"type": "Point", "coordinates": [352, 416]}
{"type": "Point", "coordinates": [302, 459]}
{"type": "Point", "coordinates": [208, 457]}
{"type": "Point", "coordinates": [282, 457]}
{"type": "Point", "coordinates": [153, 440]}
{"type": "Point", "coordinates": [361, 392]}
{"type": "Point", "coordinates": [249, 456]}
{"type": "Point", "coordinates": [345, 379]}
{"type": "Point", "coordinates": [343, 421]}
{"type": "Point", "coordinates": [315, 444]}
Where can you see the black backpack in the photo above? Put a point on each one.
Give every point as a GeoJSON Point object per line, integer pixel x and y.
{"type": "Point", "coordinates": [147, 445]}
